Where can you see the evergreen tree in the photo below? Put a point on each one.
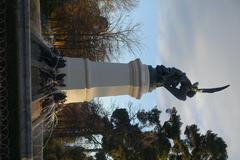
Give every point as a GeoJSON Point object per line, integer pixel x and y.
{"type": "Point", "coordinates": [123, 139]}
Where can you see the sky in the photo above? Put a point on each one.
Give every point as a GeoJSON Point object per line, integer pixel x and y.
{"type": "Point", "coordinates": [201, 38]}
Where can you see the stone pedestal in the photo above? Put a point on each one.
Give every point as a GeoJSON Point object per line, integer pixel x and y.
{"type": "Point", "coordinates": [86, 79]}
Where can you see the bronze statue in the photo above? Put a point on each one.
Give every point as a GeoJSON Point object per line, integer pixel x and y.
{"type": "Point", "coordinates": [176, 82]}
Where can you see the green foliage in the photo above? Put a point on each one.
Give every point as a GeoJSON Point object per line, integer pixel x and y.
{"type": "Point", "coordinates": [145, 140]}
{"type": "Point", "coordinates": [120, 118]}
{"type": "Point", "coordinates": [173, 125]}
{"type": "Point", "coordinates": [150, 118]}
{"type": "Point", "coordinates": [208, 146]}
{"type": "Point", "coordinates": [155, 144]}
{"type": "Point", "coordinates": [100, 156]}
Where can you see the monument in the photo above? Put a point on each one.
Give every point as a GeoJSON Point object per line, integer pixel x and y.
{"type": "Point", "coordinates": [84, 79]}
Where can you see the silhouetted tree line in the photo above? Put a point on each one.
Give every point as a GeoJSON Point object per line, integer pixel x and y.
{"type": "Point", "coordinates": [131, 136]}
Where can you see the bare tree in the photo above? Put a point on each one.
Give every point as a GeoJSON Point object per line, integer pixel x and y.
{"type": "Point", "coordinates": [122, 35]}
{"type": "Point", "coordinates": [113, 5]}
{"type": "Point", "coordinates": [81, 29]}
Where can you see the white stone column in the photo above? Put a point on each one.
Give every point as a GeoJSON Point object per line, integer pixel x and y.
{"type": "Point", "coordinates": [86, 79]}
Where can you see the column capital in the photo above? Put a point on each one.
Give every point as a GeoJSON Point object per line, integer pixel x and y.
{"type": "Point", "coordinates": [139, 78]}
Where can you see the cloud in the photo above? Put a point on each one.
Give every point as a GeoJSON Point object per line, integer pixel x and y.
{"type": "Point", "coordinates": [202, 38]}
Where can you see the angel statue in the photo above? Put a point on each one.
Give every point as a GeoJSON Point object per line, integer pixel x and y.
{"type": "Point", "coordinates": [176, 82]}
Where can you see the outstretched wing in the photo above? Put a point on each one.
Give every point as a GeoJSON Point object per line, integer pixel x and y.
{"type": "Point", "coordinates": [212, 90]}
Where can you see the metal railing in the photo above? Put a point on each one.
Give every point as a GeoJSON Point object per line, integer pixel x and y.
{"type": "Point", "coordinates": [4, 112]}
